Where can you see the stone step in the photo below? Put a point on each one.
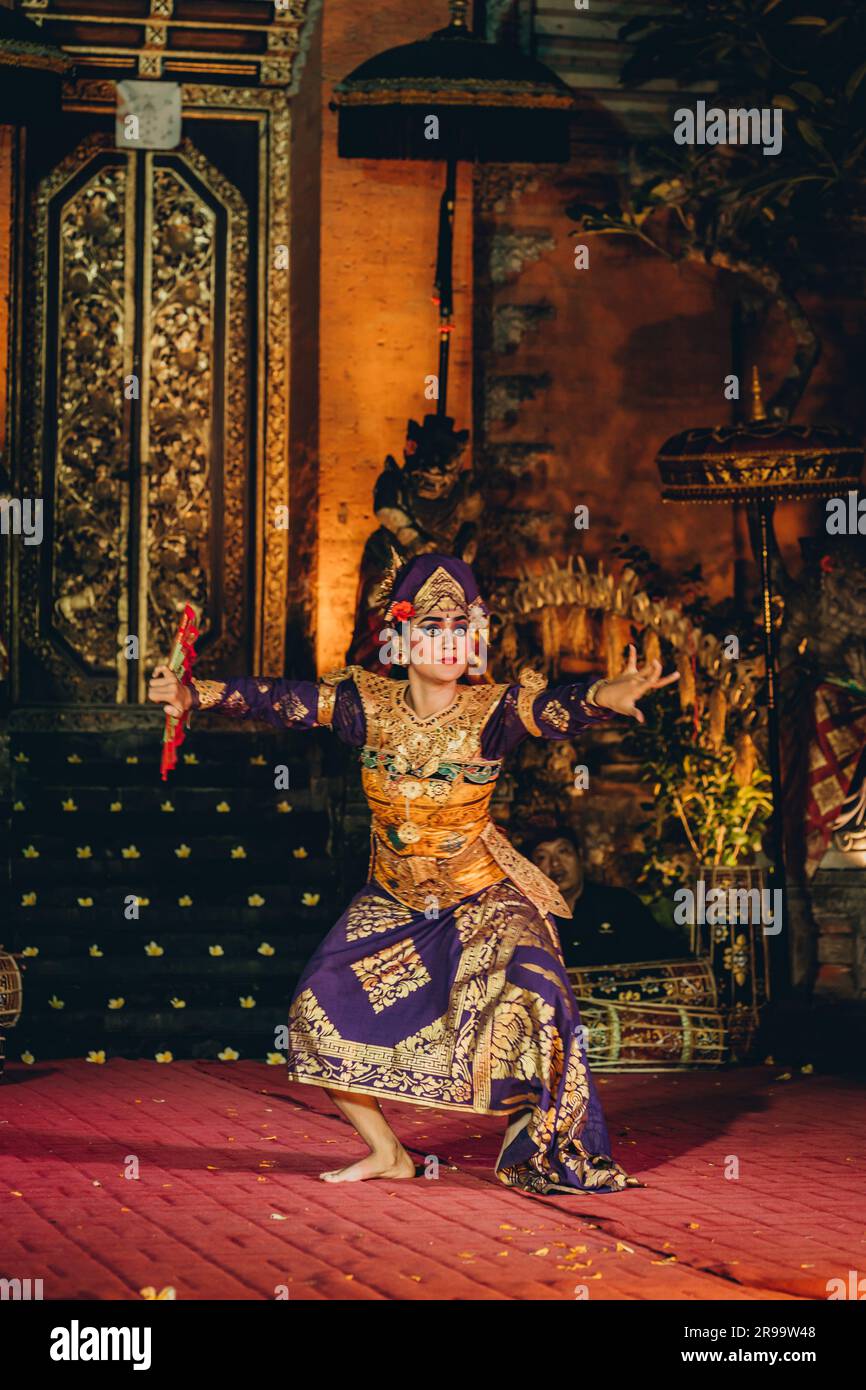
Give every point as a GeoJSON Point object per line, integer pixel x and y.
{"type": "Point", "coordinates": [88, 843]}
{"type": "Point", "coordinates": [194, 901]}
{"type": "Point", "coordinates": [195, 971]}
{"type": "Point", "coordinates": [28, 926]}
{"type": "Point", "coordinates": [144, 1032]}
{"type": "Point", "coordinates": [67, 802]}
{"type": "Point", "coordinates": [113, 774]}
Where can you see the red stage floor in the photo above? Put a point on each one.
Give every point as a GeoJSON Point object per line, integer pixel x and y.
{"type": "Point", "coordinates": [227, 1204]}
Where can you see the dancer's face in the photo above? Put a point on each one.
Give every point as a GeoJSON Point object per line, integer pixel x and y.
{"type": "Point", "coordinates": [440, 645]}
{"type": "Point", "coordinates": [559, 860]}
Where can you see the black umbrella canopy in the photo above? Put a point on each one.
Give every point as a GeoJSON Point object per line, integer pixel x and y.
{"type": "Point", "coordinates": [31, 70]}
{"type": "Point", "coordinates": [758, 460]}
{"type": "Point", "coordinates": [491, 103]}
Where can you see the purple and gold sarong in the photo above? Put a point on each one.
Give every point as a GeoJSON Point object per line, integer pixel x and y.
{"type": "Point", "coordinates": [443, 982]}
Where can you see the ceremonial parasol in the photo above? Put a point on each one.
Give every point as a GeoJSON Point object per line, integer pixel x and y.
{"type": "Point", "coordinates": [760, 462]}
{"type": "Point", "coordinates": [448, 97]}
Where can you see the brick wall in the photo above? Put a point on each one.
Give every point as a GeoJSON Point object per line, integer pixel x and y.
{"type": "Point", "coordinates": [377, 324]}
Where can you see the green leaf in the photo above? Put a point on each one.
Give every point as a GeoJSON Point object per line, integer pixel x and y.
{"type": "Point", "coordinates": [854, 81]}
{"type": "Point", "coordinates": [856, 153]}
{"type": "Point", "coordinates": [808, 90]}
{"type": "Point", "coordinates": [810, 135]}
{"type": "Point", "coordinates": [813, 19]}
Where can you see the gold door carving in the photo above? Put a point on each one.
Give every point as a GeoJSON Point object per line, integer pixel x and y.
{"type": "Point", "coordinates": [91, 439]}
{"type": "Point", "coordinates": [138, 415]}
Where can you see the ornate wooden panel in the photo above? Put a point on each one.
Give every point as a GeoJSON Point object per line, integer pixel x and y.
{"type": "Point", "coordinates": [87, 425]}
{"type": "Point", "coordinates": [138, 415]}
{"type": "Point", "coordinates": [262, 41]}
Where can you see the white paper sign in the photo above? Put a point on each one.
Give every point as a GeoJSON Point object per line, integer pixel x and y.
{"type": "Point", "coordinates": [148, 115]}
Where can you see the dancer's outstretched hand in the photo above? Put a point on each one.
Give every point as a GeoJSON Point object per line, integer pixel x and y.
{"type": "Point", "coordinates": [165, 689]}
{"type": "Point", "coordinates": [621, 693]}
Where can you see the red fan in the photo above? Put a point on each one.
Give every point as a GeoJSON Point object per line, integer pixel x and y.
{"type": "Point", "coordinates": [180, 663]}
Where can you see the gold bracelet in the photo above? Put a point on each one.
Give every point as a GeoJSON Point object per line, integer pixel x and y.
{"type": "Point", "coordinates": [589, 697]}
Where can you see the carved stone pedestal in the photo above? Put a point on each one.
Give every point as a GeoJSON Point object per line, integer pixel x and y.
{"type": "Point", "coordinates": [839, 911]}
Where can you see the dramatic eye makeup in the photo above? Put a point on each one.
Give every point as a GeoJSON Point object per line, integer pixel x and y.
{"type": "Point", "coordinates": [437, 622]}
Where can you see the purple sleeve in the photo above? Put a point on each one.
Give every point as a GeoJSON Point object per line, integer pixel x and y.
{"type": "Point", "coordinates": [287, 704]}
{"type": "Point", "coordinates": [556, 712]}
{"type": "Point", "coordinates": [348, 720]}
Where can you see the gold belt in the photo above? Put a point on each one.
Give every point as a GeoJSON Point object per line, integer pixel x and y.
{"type": "Point", "coordinates": [416, 879]}
{"type": "Point", "coordinates": [420, 881]}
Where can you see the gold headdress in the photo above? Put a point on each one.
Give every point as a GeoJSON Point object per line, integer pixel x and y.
{"type": "Point", "coordinates": [440, 590]}
{"type": "Point", "coordinates": [449, 585]}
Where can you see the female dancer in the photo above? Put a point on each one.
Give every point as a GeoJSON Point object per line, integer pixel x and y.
{"type": "Point", "coordinates": [443, 982]}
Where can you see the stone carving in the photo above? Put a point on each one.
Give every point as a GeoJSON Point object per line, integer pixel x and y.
{"type": "Point", "coordinates": [430, 503]}
{"type": "Point", "coordinates": [511, 323]}
{"type": "Point", "coordinates": [511, 252]}
{"type": "Point", "coordinates": [499, 185]}
{"type": "Point", "coordinates": [849, 827]}
{"type": "Point", "coordinates": [505, 393]}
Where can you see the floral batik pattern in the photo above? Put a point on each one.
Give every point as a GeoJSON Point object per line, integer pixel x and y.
{"type": "Point", "coordinates": [391, 974]}
{"type": "Point", "coordinates": [469, 1011]}
{"type": "Point", "coordinates": [370, 915]}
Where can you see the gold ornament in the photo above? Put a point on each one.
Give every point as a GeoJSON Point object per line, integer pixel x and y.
{"type": "Point", "coordinates": [652, 647]}
{"type": "Point", "coordinates": [532, 680]}
{"type": "Point", "coordinates": [440, 590]}
{"type": "Point", "coordinates": [745, 758]}
{"type": "Point", "coordinates": [382, 592]}
{"type": "Point", "coordinates": [686, 682]}
{"type": "Point", "coordinates": [718, 708]}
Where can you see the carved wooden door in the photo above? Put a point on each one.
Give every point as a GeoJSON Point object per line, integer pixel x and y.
{"type": "Point", "coordinates": [136, 418]}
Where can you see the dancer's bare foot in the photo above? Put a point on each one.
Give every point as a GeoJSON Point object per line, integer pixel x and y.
{"type": "Point", "coordinates": [394, 1163]}
{"type": "Point", "coordinates": [387, 1157]}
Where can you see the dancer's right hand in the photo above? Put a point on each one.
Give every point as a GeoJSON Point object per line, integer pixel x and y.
{"type": "Point", "coordinates": [165, 689]}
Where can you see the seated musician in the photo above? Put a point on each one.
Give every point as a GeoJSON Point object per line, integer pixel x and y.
{"type": "Point", "coordinates": [608, 926]}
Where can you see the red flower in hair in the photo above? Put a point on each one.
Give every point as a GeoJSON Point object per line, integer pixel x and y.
{"type": "Point", "coordinates": [828, 564]}
{"type": "Point", "coordinates": [403, 610]}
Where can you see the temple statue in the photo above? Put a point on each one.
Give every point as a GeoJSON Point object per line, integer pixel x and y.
{"type": "Point", "coordinates": [431, 503]}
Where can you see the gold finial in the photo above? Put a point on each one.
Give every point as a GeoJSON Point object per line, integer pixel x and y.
{"type": "Point", "coordinates": [380, 595]}
{"type": "Point", "coordinates": [758, 411]}
{"type": "Point", "coordinates": [458, 13]}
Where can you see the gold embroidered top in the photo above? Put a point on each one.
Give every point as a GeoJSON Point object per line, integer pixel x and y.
{"type": "Point", "coordinates": [428, 780]}
{"type": "Point", "coordinates": [429, 785]}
